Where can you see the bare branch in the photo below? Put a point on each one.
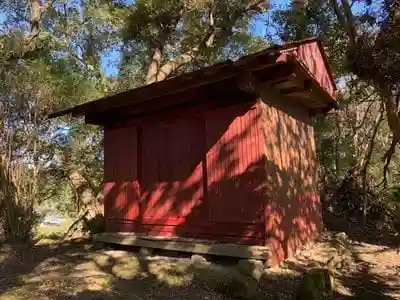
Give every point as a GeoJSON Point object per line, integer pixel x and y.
{"type": "Point", "coordinates": [368, 154]}
{"type": "Point", "coordinates": [173, 65]}
{"type": "Point", "coordinates": [256, 5]}
{"type": "Point", "coordinates": [366, 113]}
{"type": "Point", "coordinates": [154, 66]}
{"type": "Point", "coordinates": [36, 11]}
{"type": "Point", "coordinates": [388, 158]}
{"type": "Point", "coordinates": [210, 39]}
{"type": "Point", "coordinates": [339, 15]}
{"type": "Point", "coordinates": [350, 27]}
{"type": "Point", "coordinates": [346, 20]}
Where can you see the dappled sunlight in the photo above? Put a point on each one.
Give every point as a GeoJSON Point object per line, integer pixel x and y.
{"type": "Point", "coordinates": [171, 175]}
{"type": "Point", "coordinates": [171, 272]}
{"type": "Point", "coordinates": [6, 252]}
{"type": "Point", "coordinates": [79, 277]}
{"type": "Point", "coordinates": [44, 284]}
{"type": "Point", "coordinates": [86, 269]}
{"type": "Point", "coordinates": [93, 283]}
{"type": "Point", "coordinates": [293, 213]}
{"type": "Point", "coordinates": [243, 174]}
{"type": "Point", "coordinates": [117, 274]}
{"type": "Point", "coordinates": [278, 252]}
{"type": "Point", "coordinates": [126, 268]}
{"type": "Point", "coordinates": [173, 198]}
{"type": "Point", "coordinates": [101, 259]}
{"type": "Point", "coordinates": [116, 263]}
{"type": "Point", "coordinates": [189, 192]}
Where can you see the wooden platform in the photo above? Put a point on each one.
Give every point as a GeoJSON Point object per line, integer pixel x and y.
{"type": "Point", "coordinates": [185, 245]}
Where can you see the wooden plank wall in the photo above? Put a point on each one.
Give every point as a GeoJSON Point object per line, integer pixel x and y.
{"type": "Point", "coordinates": [293, 211]}
{"type": "Point", "coordinates": [196, 176]}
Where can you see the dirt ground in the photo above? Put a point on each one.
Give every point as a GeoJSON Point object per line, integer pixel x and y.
{"type": "Point", "coordinates": [81, 270]}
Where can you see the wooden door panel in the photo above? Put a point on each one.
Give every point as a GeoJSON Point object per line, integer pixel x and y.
{"type": "Point", "coordinates": [234, 166]}
{"type": "Point", "coordinates": [121, 185]}
{"type": "Point", "coordinates": [171, 170]}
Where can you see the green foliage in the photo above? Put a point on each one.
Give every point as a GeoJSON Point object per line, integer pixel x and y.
{"type": "Point", "coordinates": [396, 193]}
{"type": "Point", "coordinates": [64, 65]}
{"type": "Point", "coordinates": [207, 31]}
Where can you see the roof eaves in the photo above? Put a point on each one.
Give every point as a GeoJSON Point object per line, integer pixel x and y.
{"type": "Point", "coordinates": [224, 70]}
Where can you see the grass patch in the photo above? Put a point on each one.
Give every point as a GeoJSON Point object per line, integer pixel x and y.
{"type": "Point", "coordinates": [52, 233]}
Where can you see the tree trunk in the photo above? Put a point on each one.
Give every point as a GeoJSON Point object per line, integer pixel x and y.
{"type": "Point", "coordinates": [157, 72]}
{"type": "Point", "coordinates": [154, 66]}
{"type": "Point", "coordinates": [337, 143]}
{"type": "Point", "coordinates": [171, 66]}
{"type": "Point", "coordinates": [366, 162]}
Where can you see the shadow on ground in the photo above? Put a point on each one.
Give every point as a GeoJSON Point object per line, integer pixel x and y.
{"type": "Point", "coordinates": [372, 269]}
{"type": "Point", "coordinates": [372, 233]}
{"type": "Point", "coordinates": [80, 270]}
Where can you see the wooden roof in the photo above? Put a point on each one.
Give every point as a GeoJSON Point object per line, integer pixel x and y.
{"type": "Point", "coordinates": [298, 70]}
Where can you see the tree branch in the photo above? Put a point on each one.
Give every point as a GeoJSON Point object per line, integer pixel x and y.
{"type": "Point", "coordinates": [172, 65]}
{"type": "Point", "coordinates": [208, 41]}
{"type": "Point", "coordinates": [391, 104]}
{"type": "Point", "coordinates": [154, 66]}
{"type": "Point", "coordinates": [36, 11]}
{"type": "Point", "coordinates": [346, 20]}
{"type": "Point", "coordinates": [368, 154]}
{"type": "Point", "coordinates": [350, 27]}
{"type": "Point", "coordinates": [387, 158]}
{"type": "Point", "coordinates": [257, 5]}
{"type": "Point", "coordinates": [338, 14]}
{"type": "Point", "coordinates": [158, 47]}
{"type": "Point", "coordinates": [366, 113]}
{"type": "Point", "coordinates": [27, 49]}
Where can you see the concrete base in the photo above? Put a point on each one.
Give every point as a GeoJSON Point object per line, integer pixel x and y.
{"type": "Point", "coordinates": [185, 245]}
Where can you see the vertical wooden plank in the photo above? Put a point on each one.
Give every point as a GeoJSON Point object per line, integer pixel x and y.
{"type": "Point", "coordinates": [173, 186]}
{"type": "Point", "coordinates": [292, 214]}
{"type": "Point", "coordinates": [121, 187]}
{"type": "Point", "coordinates": [235, 173]}
{"type": "Point", "coordinates": [311, 56]}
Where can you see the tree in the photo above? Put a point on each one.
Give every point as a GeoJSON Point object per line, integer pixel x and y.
{"type": "Point", "coordinates": [375, 58]}
{"type": "Point", "coordinates": [41, 71]}
{"type": "Point", "coordinates": [181, 34]}
{"type": "Point", "coordinates": [52, 56]}
{"type": "Point", "coordinates": [364, 57]}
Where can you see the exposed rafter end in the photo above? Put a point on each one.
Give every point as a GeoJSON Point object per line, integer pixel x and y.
{"type": "Point", "coordinates": [249, 83]}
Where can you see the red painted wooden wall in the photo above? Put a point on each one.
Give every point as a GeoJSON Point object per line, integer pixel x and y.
{"type": "Point", "coordinates": [121, 184]}
{"type": "Point", "coordinates": [293, 211]}
{"type": "Point", "coordinates": [195, 176]}
{"type": "Point", "coordinates": [242, 174]}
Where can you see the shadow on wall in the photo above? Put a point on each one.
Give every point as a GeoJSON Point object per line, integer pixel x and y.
{"type": "Point", "coordinates": [243, 174]}
{"type": "Point", "coordinates": [293, 212]}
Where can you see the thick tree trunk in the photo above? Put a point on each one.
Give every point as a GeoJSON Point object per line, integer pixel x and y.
{"type": "Point", "coordinates": [158, 72]}
{"type": "Point", "coordinates": [35, 17]}
{"type": "Point", "coordinates": [154, 66]}
{"type": "Point", "coordinates": [171, 66]}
